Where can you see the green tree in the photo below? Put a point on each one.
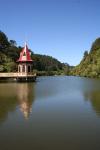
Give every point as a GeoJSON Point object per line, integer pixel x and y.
{"type": "Point", "coordinates": [3, 41]}
{"type": "Point", "coordinates": [13, 43]}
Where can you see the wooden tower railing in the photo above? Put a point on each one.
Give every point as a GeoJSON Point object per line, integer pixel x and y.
{"type": "Point", "coordinates": [16, 74]}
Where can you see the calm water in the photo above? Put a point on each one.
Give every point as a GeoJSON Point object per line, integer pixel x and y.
{"type": "Point", "coordinates": [55, 113]}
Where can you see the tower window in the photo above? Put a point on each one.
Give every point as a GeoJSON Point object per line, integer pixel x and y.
{"type": "Point", "coordinates": [29, 68]}
{"type": "Point", "coordinates": [19, 69]}
{"type": "Point", "coordinates": [24, 54]}
{"type": "Point", "coordinates": [23, 69]}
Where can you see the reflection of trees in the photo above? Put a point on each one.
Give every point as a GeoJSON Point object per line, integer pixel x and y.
{"type": "Point", "coordinates": [94, 97]}
{"type": "Point", "coordinates": [25, 97]}
{"type": "Point", "coordinates": [13, 94]}
{"type": "Point", "coordinates": [6, 105]}
{"type": "Point", "coordinates": [7, 100]}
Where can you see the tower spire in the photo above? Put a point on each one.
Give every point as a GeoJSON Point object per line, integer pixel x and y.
{"type": "Point", "coordinates": [25, 46]}
{"type": "Point", "coordinates": [25, 43]}
{"type": "Point", "coordinates": [25, 55]}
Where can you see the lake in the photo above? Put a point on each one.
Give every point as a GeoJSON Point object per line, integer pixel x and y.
{"type": "Point", "coordinates": [54, 113]}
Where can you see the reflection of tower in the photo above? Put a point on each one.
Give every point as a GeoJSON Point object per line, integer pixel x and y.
{"type": "Point", "coordinates": [25, 98]}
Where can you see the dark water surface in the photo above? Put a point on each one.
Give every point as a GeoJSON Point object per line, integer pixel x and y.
{"type": "Point", "coordinates": [55, 113]}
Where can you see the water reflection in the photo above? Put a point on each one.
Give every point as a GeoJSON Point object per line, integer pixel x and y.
{"type": "Point", "coordinates": [25, 97]}
{"type": "Point", "coordinates": [13, 95]}
{"type": "Point", "coordinates": [61, 120]}
{"type": "Point", "coordinates": [94, 98]}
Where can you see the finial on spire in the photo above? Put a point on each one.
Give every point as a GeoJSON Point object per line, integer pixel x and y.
{"type": "Point", "coordinates": [25, 44]}
{"type": "Point", "coordinates": [26, 39]}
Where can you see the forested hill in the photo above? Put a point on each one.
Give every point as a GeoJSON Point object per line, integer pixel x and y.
{"type": "Point", "coordinates": [9, 53]}
{"type": "Point", "coordinates": [90, 64]}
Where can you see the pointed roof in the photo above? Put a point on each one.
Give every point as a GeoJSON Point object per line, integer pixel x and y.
{"type": "Point", "coordinates": [25, 55]}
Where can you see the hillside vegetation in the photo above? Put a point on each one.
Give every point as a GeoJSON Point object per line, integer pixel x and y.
{"type": "Point", "coordinates": [90, 64]}
{"type": "Point", "coordinates": [42, 64]}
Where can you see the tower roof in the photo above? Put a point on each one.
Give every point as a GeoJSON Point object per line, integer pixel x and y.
{"type": "Point", "coordinates": [25, 55]}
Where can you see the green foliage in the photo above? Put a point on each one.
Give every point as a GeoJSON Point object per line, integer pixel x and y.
{"type": "Point", "coordinates": [13, 43]}
{"type": "Point", "coordinates": [10, 67]}
{"type": "Point", "coordinates": [95, 45]}
{"type": "Point", "coordinates": [45, 65]}
{"type": "Point", "coordinates": [3, 41]}
{"type": "Point", "coordinates": [90, 64]}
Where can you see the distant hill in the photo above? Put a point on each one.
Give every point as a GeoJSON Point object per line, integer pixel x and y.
{"type": "Point", "coordinates": [90, 64]}
{"type": "Point", "coordinates": [9, 53]}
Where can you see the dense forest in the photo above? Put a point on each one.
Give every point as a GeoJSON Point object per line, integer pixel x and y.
{"type": "Point", "coordinates": [47, 65]}
{"type": "Point", "coordinates": [42, 64]}
{"type": "Point", "coordinates": [90, 64]}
